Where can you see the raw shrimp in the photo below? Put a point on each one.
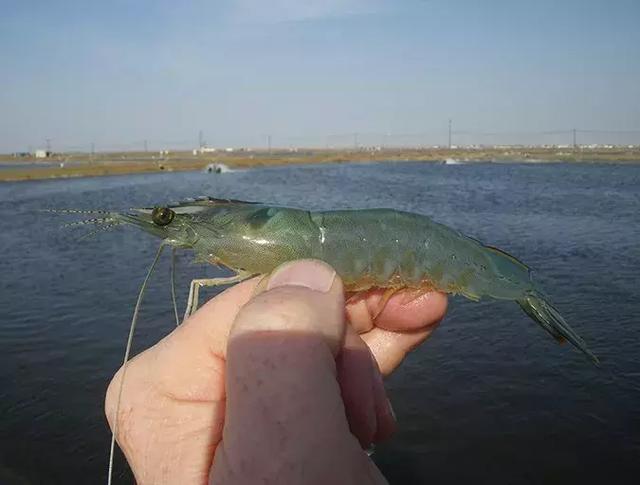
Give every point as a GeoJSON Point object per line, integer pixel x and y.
{"type": "Point", "coordinates": [368, 248]}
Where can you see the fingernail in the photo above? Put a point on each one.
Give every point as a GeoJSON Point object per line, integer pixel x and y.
{"type": "Point", "coordinates": [314, 275]}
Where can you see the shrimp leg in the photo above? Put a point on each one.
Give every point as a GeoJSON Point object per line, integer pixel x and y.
{"type": "Point", "coordinates": [173, 285]}
{"type": "Point", "coordinates": [194, 289]}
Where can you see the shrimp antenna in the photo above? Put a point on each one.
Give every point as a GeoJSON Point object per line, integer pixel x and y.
{"type": "Point", "coordinates": [104, 228]}
{"type": "Point", "coordinates": [173, 285]}
{"type": "Point", "coordinates": [127, 351]}
{"type": "Point", "coordinates": [76, 211]}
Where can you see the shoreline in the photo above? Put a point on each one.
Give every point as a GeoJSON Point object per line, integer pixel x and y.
{"type": "Point", "coordinates": [128, 163]}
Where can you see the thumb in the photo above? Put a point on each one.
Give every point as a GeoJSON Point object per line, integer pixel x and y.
{"type": "Point", "coordinates": [284, 411]}
{"type": "Point", "coordinates": [303, 298]}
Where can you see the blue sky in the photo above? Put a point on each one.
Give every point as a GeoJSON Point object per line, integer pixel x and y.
{"type": "Point", "coordinates": [313, 72]}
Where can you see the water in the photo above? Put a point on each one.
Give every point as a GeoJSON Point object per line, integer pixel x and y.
{"type": "Point", "coordinates": [28, 165]}
{"type": "Point", "coordinates": [46, 163]}
{"type": "Point", "coordinates": [490, 397]}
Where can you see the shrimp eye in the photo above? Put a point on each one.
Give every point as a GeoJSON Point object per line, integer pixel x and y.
{"type": "Point", "coordinates": [162, 216]}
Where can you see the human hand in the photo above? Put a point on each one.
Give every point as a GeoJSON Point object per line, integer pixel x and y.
{"type": "Point", "coordinates": [266, 382]}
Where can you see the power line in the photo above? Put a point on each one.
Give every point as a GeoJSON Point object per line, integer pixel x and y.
{"type": "Point", "coordinates": [611, 132]}
{"type": "Point", "coordinates": [359, 140]}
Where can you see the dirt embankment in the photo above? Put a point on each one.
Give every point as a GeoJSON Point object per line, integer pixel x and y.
{"type": "Point", "coordinates": [121, 163]}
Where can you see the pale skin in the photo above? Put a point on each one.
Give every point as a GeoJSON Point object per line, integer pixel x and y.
{"type": "Point", "coordinates": [275, 380]}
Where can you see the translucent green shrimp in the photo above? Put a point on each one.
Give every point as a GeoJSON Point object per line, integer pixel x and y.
{"type": "Point", "coordinates": [368, 248]}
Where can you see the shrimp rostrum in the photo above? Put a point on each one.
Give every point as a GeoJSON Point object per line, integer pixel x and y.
{"type": "Point", "coordinates": [368, 248]}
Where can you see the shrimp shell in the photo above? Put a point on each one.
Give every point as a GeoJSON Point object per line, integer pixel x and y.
{"type": "Point", "coordinates": [368, 248]}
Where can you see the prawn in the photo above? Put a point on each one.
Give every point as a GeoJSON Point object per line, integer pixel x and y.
{"type": "Point", "coordinates": [369, 248]}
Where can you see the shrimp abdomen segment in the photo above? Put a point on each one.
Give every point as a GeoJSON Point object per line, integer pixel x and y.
{"type": "Point", "coordinates": [363, 246]}
{"type": "Point", "coordinates": [388, 248]}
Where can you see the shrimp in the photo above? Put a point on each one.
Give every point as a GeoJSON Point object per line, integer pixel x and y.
{"type": "Point", "coordinates": [369, 248]}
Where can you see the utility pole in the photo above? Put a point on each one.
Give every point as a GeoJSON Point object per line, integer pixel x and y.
{"type": "Point", "coordinates": [200, 139]}
{"type": "Point", "coordinates": [449, 134]}
{"type": "Point", "coordinates": [575, 145]}
{"type": "Point", "coordinates": [48, 141]}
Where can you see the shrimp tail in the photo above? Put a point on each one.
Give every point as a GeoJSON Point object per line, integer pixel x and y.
{"type": "Point", "coordinates": [542, 312]}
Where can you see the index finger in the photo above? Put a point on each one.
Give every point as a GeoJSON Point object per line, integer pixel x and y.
{"type": "Point", "coordinates": [406, 311]}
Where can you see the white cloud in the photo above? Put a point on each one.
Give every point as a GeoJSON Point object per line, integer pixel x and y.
{"type": "Point", "coordinates": [274, 11]}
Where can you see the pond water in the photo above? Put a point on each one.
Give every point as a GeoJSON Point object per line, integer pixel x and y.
{"type": "Point", "coordinates": [489, 398]}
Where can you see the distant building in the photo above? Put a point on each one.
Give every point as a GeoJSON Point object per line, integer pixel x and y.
{"type": "Point", "coordinates": [201, 150]}
{"type": "Point", "coordinates": [42, 154]}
